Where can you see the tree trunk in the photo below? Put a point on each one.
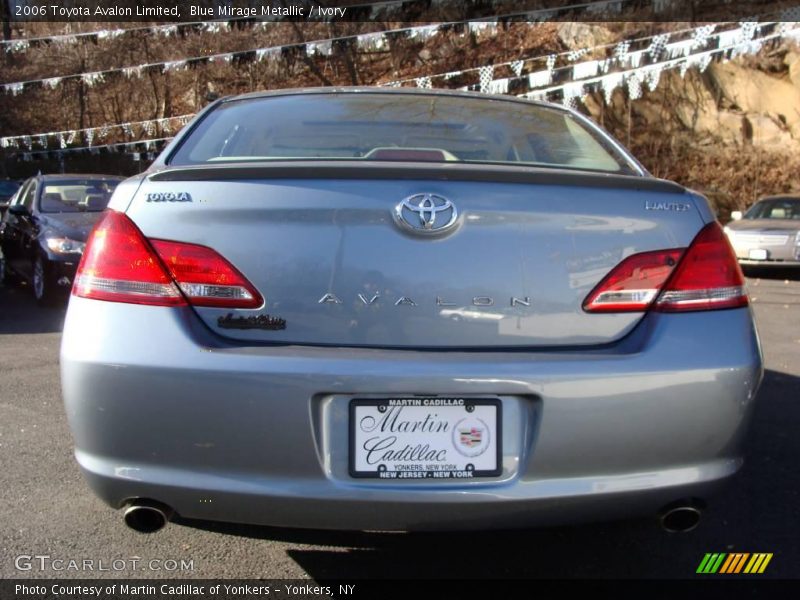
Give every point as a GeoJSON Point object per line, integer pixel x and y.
{"type": "Point", "coordinates": [5, 15]}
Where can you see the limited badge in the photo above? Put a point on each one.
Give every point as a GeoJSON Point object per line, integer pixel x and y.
{"type": "Point", "coordinates": [254, 322]}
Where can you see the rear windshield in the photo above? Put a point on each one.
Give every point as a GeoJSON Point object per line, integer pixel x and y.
{"type": "Point", "coordinates": [777, 208]}
{"type": "Point", "coordinates": [405, 127]}
{"type": "Point", "coordinates": [72, 195]}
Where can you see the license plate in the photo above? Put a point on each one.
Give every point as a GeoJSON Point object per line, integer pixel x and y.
{"type": "Point", "coordinates": [758, 254]}
{"type": "Point", "coordinates": [425, 438]}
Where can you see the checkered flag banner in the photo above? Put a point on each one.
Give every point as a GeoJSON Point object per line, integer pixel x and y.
{"type": "Point", "coordinates": [571, 102]}
{"type": "Point", "coordinates": [516, 67]}
{"type": "Point", "coordinates": [634, 87]}
{"type": "Point", "coordinates": [424, 83]}
{"type": "Point", "coordinates": [749, 29]}
{"type": "Point", "coordinates": [657, 46]}
{"type": "Point", "coordinates": [653, 77]}
{"type": "Point", "coordinates": [571, 92]}
{"type": "Point", "coordinates": [621, 51]}
{"type": "Point", "coordinates": [701, 35]}
{"type": "Point", "coordinates": [576, 54]}
{"type": "Point", "coordinates": [486, 76]}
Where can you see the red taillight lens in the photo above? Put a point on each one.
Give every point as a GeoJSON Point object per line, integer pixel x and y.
{"type": "Point", "coordinates": [634, 283]}
{"type": "Point", "coordinates": [206, 278]}
{"type": "Point", "coordinates": [708, 276]}
{"type": "Point", "coordinates": [705, 276]}
{"type": "Point", "coordinates": [121, 265]}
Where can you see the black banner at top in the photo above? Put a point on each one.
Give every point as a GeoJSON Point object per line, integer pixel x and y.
{"type": "Point", "coordinates": [408, 11]}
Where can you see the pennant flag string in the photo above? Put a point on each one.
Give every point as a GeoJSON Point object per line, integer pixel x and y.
{"type": "Point", "coordinates": [621, 53]}
{"type": "Point", "coordinates": [420, 31]}
{"type": "Point", "coordinates": [648, 73]}
{"type": "Point", "coordinates": [22, 44]}
{"type": "Point", "coordinates": [568, 87]}
{"type": "Point", "coordinates": [89, 133]}
{"type": "Point", "coordinates": [148, 144]}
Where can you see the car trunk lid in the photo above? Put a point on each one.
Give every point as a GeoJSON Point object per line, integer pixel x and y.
{"type": "Point", "coordinates": [326, 251]}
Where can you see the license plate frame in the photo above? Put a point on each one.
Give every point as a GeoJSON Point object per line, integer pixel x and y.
{"type": "Point", "coordinates": [482, 411]}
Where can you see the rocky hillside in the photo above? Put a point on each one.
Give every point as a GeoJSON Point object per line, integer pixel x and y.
{"type": "Point", "coordinates": [732, 132]}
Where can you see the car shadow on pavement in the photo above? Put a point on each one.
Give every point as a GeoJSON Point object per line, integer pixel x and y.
{"type": "Point", "coordinates": [19, 312]}
{"type": "Point", "coordinates": [755, 512]}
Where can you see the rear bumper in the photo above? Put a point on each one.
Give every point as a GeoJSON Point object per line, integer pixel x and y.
{"type": "Point", "coordinates": [769, 263]}
{"type": "Point", "coordinates": [160, 408]}
{"type": "Point", "coordinates": [786, 255]}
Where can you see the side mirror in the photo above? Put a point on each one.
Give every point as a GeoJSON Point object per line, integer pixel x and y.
{"type": "Point", "coordinates": [18, 210]}
{"type": "Point", "coordinates": [736, 215]}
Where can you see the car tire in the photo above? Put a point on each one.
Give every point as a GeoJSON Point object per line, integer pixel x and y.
{"type": "Point", "coordinates": [44, 288]}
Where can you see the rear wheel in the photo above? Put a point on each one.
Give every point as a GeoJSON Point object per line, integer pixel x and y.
{"type": "Point", "coordinates": [44, 288]}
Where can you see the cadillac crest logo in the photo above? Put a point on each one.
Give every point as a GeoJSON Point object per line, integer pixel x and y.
{"type": "Point", "coordinates": [471, 436]}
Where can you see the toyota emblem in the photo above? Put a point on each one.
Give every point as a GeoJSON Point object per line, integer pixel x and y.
{"type": "Point", "coordinates": [426, 213]}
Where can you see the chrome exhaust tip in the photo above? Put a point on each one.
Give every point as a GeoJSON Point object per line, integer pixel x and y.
{"type": "Point", "coordinates": [146, 516]}
{"type": "Point", "coordinates": [681, 517]}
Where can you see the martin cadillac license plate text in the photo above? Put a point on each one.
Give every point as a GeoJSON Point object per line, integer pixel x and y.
{"type": "Point", "coordinates": [425, 438]}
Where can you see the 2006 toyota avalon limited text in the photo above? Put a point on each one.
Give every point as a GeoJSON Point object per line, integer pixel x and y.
{"type": "Point", "coordinates": [399, 310]}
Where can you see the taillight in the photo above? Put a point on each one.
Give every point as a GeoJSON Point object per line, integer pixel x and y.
{"type": "Point", "coordinates": [705, 276]}
{"type": "Point", "coordinates": [121, 265]}
{"type": "Point", "coordinates": [634, 283]}
{"type": "Point", "coordinates": [708, 276]}
{"type": "Point", "coordinates": [206, 278]}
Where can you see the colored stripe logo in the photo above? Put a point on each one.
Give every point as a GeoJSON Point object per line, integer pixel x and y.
{"type": "Point", "coordinates": [734, 563]}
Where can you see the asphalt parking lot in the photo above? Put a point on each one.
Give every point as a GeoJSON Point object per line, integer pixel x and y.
{"type": "Point", "coordinates": [46, 510]}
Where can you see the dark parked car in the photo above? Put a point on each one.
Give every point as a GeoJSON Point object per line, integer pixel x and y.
{"type": "Point", "coordinates": [43, 232]}
{"type": "Point", "coordinates": [8, 187]}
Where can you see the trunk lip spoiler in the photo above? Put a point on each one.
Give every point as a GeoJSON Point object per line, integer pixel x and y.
{"type": "Point", "coordinates": [412, 171]}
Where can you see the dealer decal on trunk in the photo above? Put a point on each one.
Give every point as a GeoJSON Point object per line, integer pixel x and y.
{"type": "Point", "coordinates": [254, 322]}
